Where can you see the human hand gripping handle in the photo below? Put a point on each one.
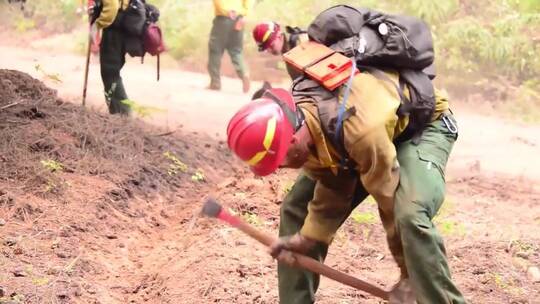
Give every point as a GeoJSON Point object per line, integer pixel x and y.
{"type": "Point", "coordinates": [213, 209]}
{"type": "Point", "coordinates": [295, 243]}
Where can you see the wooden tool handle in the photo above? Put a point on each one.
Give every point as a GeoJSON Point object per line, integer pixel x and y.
{"type": "Point", "coordinates": [213, 209]}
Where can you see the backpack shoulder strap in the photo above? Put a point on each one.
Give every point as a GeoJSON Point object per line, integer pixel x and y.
{"type": "Point", "coordinates": [331, 113]}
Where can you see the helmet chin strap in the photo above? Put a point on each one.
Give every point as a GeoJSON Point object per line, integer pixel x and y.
{"type": "Point", "coordinates": [296, 119]}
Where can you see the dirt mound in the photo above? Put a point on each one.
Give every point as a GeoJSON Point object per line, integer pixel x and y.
{"type": "Point", "coordinates": [72, 181]}
{"type": "Point", "coordinates": [20, 87]}
{"type": "Point", "coordinates": [41, 134]}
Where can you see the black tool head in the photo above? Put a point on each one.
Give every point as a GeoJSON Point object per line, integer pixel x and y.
{"type": "Point", "coordinates": [211, 208]}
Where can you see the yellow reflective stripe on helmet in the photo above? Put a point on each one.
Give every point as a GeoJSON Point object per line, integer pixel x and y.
{"type": "Point", "coordinates": [256, 158]}
{"type": "Point", "coordinates": [267, 142]}
{"type": "Point", "coordinates": [270, 132]}
{"type": "Point", "coordinates": [268, 32]}
{"type": "Point", "coordinates": [266, 35]}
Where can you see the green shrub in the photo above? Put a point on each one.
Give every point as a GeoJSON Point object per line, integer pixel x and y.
{"type": "Point", "coordinates": [476, 41]}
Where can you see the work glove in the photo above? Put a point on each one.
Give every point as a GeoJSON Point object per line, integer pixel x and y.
{"type": "Point", "coordinates": [295, 243]}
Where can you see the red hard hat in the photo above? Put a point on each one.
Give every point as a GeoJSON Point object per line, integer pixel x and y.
{"type": "Point", "coordinates": [265, 33]}
{"type": "Point", "coordinates": [260, 132]}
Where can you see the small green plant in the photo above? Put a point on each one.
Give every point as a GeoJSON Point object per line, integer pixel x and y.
{"type": "Point", "coordinates": [450, 228]}
{"type": "Point", "coordinates": [24, 25]}
{"type": "Point", "coordinates": [52, 165]}
{"type": "Point", "coordinates": [364, 218]}
{"type": "Point", "coordinates": [506, 284]}
{"type": "Point", "coordinates": [252, 219]}
{"type": "Point", "coordinates": [370, 201]}
{"type": "Point", "coordinates": [142, 111]}
{"type": "Point", "coordinates": [445, 225]}
{"type": "Point", "coordinates": [523, 247]}
{"type": "Point", "coordinates": [55, 185]}
{"type": "Point", "coordinates": [54, 77]}
{"type": "Point", "coordinates": [50, 186]}
{"type": "Point", "coordinates": [15, 299]}
{"type": "Point", "coordinates": [177, 166]}
{"type": "Point", "coordinates": [287, 187]}
{"type": "Point", "coordinates": [198, 176]}
{"type": "Point", "coordinates": [40, 281]}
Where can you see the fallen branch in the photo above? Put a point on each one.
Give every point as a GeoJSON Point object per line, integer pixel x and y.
{"type": "Point", "coordinates": [164, 134]}
{"type": "Point", "coordinates": [10, 105]}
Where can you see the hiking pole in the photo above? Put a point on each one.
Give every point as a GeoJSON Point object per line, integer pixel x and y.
{"type": "Point", "coordinates": [213, 209]}
{"type": "Point", "coordinates": [87, 66]}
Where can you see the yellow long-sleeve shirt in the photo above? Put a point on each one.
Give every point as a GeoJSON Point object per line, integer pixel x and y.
{"type": "Point", "coordinates": [109, 12]}
{"type": "Point", "coordinates": [223, 7]}
{"type": "Point", "coordinates": [368, 140]}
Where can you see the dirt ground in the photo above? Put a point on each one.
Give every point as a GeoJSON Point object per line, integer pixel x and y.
{"type": "Point", "coordinates": [118, 221]}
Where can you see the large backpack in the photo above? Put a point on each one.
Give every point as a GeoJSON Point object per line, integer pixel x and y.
{"type": "Point", "coordinates": [382, 41]}
{"type": "Point", "coordinates": [139, 24]}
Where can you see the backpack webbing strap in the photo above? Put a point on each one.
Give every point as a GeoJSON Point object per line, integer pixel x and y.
{"type": "Point", "coordinates": [405, 106]}
{"type": "Point", "coordinates": [296, 119]}
{"type": "Point", "coordinates": [342, 115]}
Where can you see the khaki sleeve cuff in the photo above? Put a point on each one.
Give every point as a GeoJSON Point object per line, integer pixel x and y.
{"type": "Point", "coordinates": [319, 231]}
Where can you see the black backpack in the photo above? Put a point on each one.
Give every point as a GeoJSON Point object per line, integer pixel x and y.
{"type": "Point", "coordinates": [134, 21]}
{"type": "Point", "coordinates": [382, 41]}
{"type": "Point", "coordinates": [294, 35]}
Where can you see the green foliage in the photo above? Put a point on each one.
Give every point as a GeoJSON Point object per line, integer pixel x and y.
{"type": "Point", "coordinates": [142, 111]}
{"type": "Point", "coordinates": [13, 299]}
{"type": "Point", "coordinates": [198, 176]}
{"type": "Point", "coordinates": [23, 25]}
{"type": "Point", "coordinates": [176, 165]}
{"type": "Point", "coordinates": [507, 284]}
{"type": "Point", "coordinates": [287, 187]}
{"type": "Point", "coordinates": [58, 15]}
{"type": "Point", "coordinates": [365, 218]}
{"type": "Point", "coordinates": [500, 48]}
{"type": "Point", "coordinates": [447, 226]}
{"type": "Point", "coordinates": [526, 104]}
{"type": "Point", "coordinates": [52, 165]}
{"type": "Point", "coordinates": [55, 77]}
{"type": "Point", "coordinates": [450, 228]}
{"type": "Point", "coordinates": [524, 247]}
{"type": "Point", "coordinates": [186, 26]}
{"type": "Point", "coordinates": [474, 39]}
{"type": "Point", "coordinates": [434, 12]}
{"type": "Point", "coordinates": [40, 281]}
{"type": "Point", "coordinates": [252, 219]}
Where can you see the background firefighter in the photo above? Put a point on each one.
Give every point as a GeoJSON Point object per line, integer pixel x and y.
{"type": "Point", "coordinates": [228, 34]}
{"type": "Point", "coordinates": [112, 53]}
{"type": "Point", "coordinates": [270, 37]}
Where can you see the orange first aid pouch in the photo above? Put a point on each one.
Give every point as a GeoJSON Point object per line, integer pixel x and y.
{"type": "Point", "coordinates": [324, 65]}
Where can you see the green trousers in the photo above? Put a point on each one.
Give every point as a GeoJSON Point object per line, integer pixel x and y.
{"type": "Point", "coordinates": [418, 198]}
{"type": "Point", "coordinates": [112, 57]}
{"type": "Point", "coordinates": [224, 36]}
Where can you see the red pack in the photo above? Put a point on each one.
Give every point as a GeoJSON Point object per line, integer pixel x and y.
{"type": "Point", "coordinates": [153, 40]}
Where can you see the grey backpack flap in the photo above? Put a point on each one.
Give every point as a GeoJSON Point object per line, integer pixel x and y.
{"type": "Point", "coordinates": [392, 41]}
{"type": "Point", "coordinates": [381, 41]}
{"type": "Point", "coordinates": [134, 17]}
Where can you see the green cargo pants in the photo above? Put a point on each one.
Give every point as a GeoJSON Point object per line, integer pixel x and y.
{"type": "Point", "coordinates": [112, 56]}
{"type": "Point", "coordinates": [418, 198]}
{"type": "Point", "coordinates": [224, 36]}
